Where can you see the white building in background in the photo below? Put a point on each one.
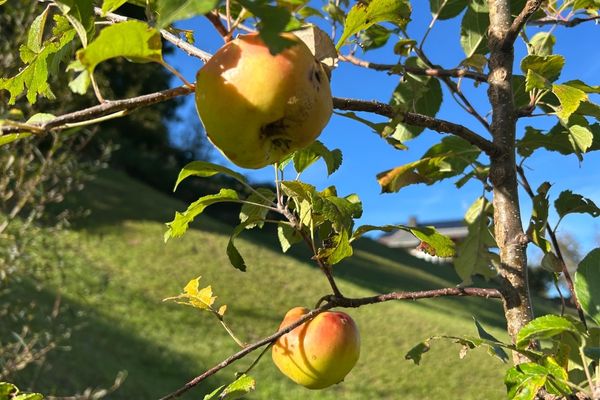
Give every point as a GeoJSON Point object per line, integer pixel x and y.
{"type": "Point", "coordinates": [455, 229]}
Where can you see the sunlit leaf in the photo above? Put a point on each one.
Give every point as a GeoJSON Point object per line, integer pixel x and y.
{"type": "Point", "coordinates": [134, 40]}
{"type": "Point", "coordinates": [587, 284]}
{"type": "Point", "coordinates": [546, 327]}
{"type": "Point", "coordinates": [306, 157]}
{"type": "Point", "coordinates": [176, 10]}
{"type": "Point", "coordinates": [473, 32]}
{"type": "Point", "coordinates": [179, 225]}
{"type": "Point", "coordinates": [570, 97]}
{"type": "Point", "coordinates": [204, 169]}
{"type": "Point", "coordinates": [366, 13]}
{"type": "Point", "coordinates": [258, 211]}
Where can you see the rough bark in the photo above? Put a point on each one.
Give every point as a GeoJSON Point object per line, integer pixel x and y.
{"type": "Point", "coordinates": [509, 233]}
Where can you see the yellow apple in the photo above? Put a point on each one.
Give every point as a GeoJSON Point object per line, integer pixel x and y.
{"type": "Point", "coordinates": [256, 107]}
{"type": "Point", "coordinates": [318, 353]}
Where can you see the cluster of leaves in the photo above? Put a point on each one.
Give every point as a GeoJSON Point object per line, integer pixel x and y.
{"type": "Point", "coordinates": [564, 354]}
{"type": "Point", "coordinates": [301, 211]}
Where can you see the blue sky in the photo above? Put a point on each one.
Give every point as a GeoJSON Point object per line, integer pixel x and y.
{"type": "Point", "coordinates": [365, 154]}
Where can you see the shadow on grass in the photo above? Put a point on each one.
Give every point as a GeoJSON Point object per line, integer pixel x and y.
{"type": "Point", "coordinates": [96, 351]}
{"type": "Point", "coordinates": [114, 197]}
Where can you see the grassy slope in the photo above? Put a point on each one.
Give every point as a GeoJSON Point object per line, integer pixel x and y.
{"type": "Point", "coordinates": [118, 270]}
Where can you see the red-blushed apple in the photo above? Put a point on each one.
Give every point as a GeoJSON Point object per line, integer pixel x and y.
{"type": "Point", "coordinates": [256, 107]}
{"type": "Point", "coordinates": [320, 352]}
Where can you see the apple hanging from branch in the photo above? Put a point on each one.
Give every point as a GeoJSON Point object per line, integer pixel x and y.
{"type": "Point", "coordinates": [320, 352]}
{"type": "Point", "coordinates": [257, 107]}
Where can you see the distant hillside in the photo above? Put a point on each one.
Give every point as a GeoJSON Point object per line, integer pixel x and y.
{"type": "Point", "coordinates": [116, 270]}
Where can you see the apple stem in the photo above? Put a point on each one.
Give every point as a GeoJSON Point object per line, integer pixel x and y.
{"type": "Point", "coordinates": [262, 353]}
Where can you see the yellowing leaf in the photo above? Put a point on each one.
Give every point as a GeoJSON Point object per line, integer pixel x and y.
{"type": "Point", "coordinates": [222, 310]}
{"type": "Point", "coordinates": [202, 299]}
{"type": "Point", "coordinates": [192, 286]}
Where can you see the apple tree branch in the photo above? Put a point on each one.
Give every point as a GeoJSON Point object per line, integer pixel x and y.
{"type": "Point", "coordinates": [333, 301]}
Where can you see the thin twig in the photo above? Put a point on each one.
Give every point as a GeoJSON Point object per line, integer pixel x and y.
{"type": "Point", "coordinates": [399, 69]}
{"type": "Point", "coordinates": [567, 23]}
{"type": "Point", "coordinates": [215, 20]}
{"type": "Point", "coordinates": [106, 108]}
{"type": "Point", "coordinates": [466, 104]}
{"type": "Point", "coordinates": [111, 107]}
{"type": "Point", "coordinates": [331, 303]}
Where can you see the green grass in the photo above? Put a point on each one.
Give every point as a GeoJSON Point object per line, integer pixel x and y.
{"type": "Point", "coordinates": [116, 269]}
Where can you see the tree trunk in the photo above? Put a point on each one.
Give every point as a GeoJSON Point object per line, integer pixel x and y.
{"type": "Point", "coordinates": [509, 233]}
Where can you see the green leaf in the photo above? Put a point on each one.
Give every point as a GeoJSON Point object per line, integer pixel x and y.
{"type": "Point", "coordinates": [571, 140]}
{"type": "Point", "coordinates": [533, 80]}
{"type": "Point", "coordinates": [542, 43]}
{"type": "Point", "coordinates": [256, 212]}
{"type": "Point", "coordinates": [446, 159]}
{"type": "Point", "coordinates": [550, 262]}
{"type": "Point", "coordinates": [520, 95]}
{"type": "Point", "coordinates": [580, 136]}
{"type": "Point", "coordinates": [583, 86]}
{"type": "Point", "coordinates": [364, 14]}
{"type": "Point", "coordinates": [170, 11]}
{"type": "Point", "coordinates": [11, 137]}
{"type": "Point", "coordinates": [414, 93]}
{"type": "Point", "coordinates": [473, 32]}
{"type": "Point", "coordinates": [570, 97]}
{"type": "Point", "coordinates": [546, 327]}
{"type": "Point", "coordinates": [549, 67]}
{"type": "Point", "coordinates": [374, 37]}
{"type": "Point", "coordinates": [404, 46]}
{"type": "Point", "coordinates": [415, 354]}
{"type": "Point", "coordinates": [33, 78]}
{"type": "Point", "coordinates": [539, 218]}
{"type": "Point", "coordinates": [441, 245]}
{"type": "Point", "coordinates": [134, 40]}
{"type": "Point", "coordinates": [307, 156]}
{"type": "Point", "coordinates": [525, 380]}
{"type": "Point", "coordinates": [204, 169]}
{"type": "Point", "coordinates": [28, 396]}
{"type": "Point", "coordinates": [495, 349]}
{"type": "Point", "coordinates": [213, 395]}
{"type": "Point", "coordinates": [80, 14]}
{"type": "Point", "coordinates": [559, 378]}
{"type": "Point", "coordinates": [587, 284]}
{"type": "Point", "coordinates": [476, 61]}
{"type": "Point", "coordinates": [179, 225]}
{"type": "Point", "coordinates": [572, 203]}
{"type": "Point", "coordinates": [35, 35]}
{"type": "Point", "coordinates": [287, 236]}
{"type": "Point", "coordinates": [273, 21]}
{"type": "Point", "coordinates": [238, 388]}
{"type": "Point", "coordinates": [474, 255]}
{"type": "Point", "coordinates": [446, 9]}
{"type": "Point", "coordinates": [235, 258]}
{"type": "Point", "coordinates": [438, 244]}
{"type": "Point", "coordinates": [111, 5]}
{"type": "Point", "coordinates": [7, 389]}
{"type": "Point", "coordinates": [378, 128]}
{"type": "Point", "coordinates": [336, 248]}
